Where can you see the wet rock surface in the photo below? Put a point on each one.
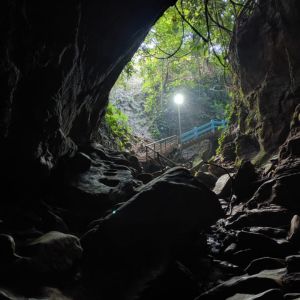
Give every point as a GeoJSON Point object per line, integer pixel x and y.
{"type": "Point", "coordinates": [167, 237]}
{"type": "Point", "coordinates": [149, 226]}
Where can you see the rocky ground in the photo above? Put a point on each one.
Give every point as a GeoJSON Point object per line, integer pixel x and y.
{"type": "Point", "coordinates": [106, 230]}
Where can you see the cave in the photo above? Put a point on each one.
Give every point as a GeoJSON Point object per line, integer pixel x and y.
{"type": "Point", "coordinates": [81, 221]}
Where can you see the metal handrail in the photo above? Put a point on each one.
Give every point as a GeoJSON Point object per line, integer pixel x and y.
{"type": "Point", "coordinates": [196, 132]}
{"type": "Point", "coordinates": [162, 140]}
{"type": "Point", "coordinates": [163, 146]}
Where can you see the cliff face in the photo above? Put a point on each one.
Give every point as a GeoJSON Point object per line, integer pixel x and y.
{"type": "Point", "coordinates": [266, 57]}
{"type": "Point", "coordinates": [59, 60]}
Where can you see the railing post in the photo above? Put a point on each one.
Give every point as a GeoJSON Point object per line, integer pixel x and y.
{"type": "Point", "coordinates": [195, 132]}
{"type": "Point", "coordinates": [212, 125]}
{"type": "Point", "coordinates": [146, 153]}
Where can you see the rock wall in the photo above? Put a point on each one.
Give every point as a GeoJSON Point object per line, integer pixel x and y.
{"type": "Point", "coordinates": [266, 57]}
{"type": "Point", "coordinates": [58, 62]}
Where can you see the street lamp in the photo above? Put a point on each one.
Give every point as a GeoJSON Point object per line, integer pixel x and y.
{"type": "Point", "coordinates": [179, 99]}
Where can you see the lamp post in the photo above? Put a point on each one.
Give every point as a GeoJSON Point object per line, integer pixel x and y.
{"type": "Point", "coordinates": [179, 99]}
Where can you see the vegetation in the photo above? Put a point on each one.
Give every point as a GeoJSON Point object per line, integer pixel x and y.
{"type": "Point", "coordinates": [187, 52]}
{"type": "Point", "coordinates": [117, 123]}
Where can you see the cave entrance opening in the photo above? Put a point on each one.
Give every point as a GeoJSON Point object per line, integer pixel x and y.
{"type": "Point", "coordinates": [185, 52]}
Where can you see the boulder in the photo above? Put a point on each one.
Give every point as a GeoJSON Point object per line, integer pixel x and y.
{"type": "Point", "coordinates": [294, 232]}
{"type": "Point", "coordinates": [261, 244]}
{"type": "Point", "coordinates": [271, 216]}
{"type": "Point", "coordinates": [4, 296]}
{"type": "Point", "coordinates": [264, 263]}
{"type": "Point", "coordinates": [206, 178]}
{"type": "Point", "coordinates": [272, 294]}
{"type": "Point", "coordinates": [244, 183]}
{"type": "Point", "coordinates": [250, 285]}
{"type": "Point", "coordinates": [243, 257]}
{"type": "Point", "coordinates": [7, 249]}
{"type": "Point", "coordinates": [223, 186]}
{"type": "Point", "coordinates": [135, 243]}
{"type": "Point", "coordinates": [285, 191]}
{"type": "Point", "coordinates": [292, 296]}
{"type": "Point", "coordinates": [293, 263]}
{"type": "Point", "coordinates": [291, 282]}
{"type": "Point", "coordinates": [269, 231]}
{"type": "Point", "coordinates": [88, 195]}
{"type": "Point", "coordinates": [54, 252]}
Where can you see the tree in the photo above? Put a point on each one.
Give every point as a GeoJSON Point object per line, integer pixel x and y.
{"type": "Point", "coordinates": [187, 51]}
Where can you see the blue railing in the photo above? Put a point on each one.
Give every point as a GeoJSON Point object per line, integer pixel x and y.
{"type": "Point", "coordinates": [196, 132]}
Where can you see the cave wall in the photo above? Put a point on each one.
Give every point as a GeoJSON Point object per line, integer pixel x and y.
{"type": "Point", "coordinates": [58, 62]}
{"type": "Point", "coordinates": [265, 54]}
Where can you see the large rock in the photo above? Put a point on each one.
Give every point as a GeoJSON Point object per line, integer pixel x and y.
{"type": "Point", "coordinates": [244, 184]}
{"type": "Point", "coordinates": [89, 194]}
{"type": "Point", "coordinates": [274, 294]}
{"type": "Point", "coordinates": [293, 263]}
{"type": "Point", "coordinates": [250, 285]}
{"type": "Point", "coordinates": [264, 263]}
{"type": "Point", "coordinates": [272, 216]}
{"type": "Point", "coordinates": [223, 186]}
{"type": "Point", "coordinates": [134, 243]}
{"type": "Point", "coordinates": [266, 62]}
{"type": "Point", "coordinates": [55, 252]}
{"type": "Point", "coordinates": [58, 64]}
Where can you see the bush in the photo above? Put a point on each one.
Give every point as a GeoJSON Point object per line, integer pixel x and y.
{"type": "Point", "coordinates": [117, 123]}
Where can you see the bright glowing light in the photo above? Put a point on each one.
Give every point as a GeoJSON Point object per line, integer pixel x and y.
{"type": "Point", "coordinates": [178, 99]}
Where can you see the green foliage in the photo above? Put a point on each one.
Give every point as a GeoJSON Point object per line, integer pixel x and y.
{"type": "Point", "coordinates": [117, 123]}
{"type": "Point", "coordinates": [187, 51]}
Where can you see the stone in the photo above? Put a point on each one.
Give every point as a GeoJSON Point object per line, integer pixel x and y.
{"type": "Point", "coordinates": [230, 249]}
{"type": "Point", "coordinates": [244, 183]}
{"type": "Point", "coordinates": [243, 257]}
{"type": "Point", "coordinates": [293, 263]}
{"type": "Point", "coordinates": [133, 161]}
{"type": "Point", "coordinates": [229, 151]}
{"type": "Point", "coordinates": [247, 146]}
{"type": "Point", "coordinates": [167, 210]}
{"type": "Point", "coordinates": [291, 147]}
{"type": "Point", "coordinates": [272, 294]}
{"type": "Point", "coordinates": [270, 231]}
{"type": "Point", "coordinates": [7, 249]}
{"type": "Point", "coordinates": [291, 282]}
{"type": "Point", "coordinates": [262, 244]}
{"type": "Point", "coordinates": [251, 285]}
{"type": "Point", "coordinates": [89, 195]}
{"type": "Point", "coordinates": [291, 296]}
{"type": "Point", "coordinates": [285, 191]}
{"type": "Point", "coordinates": [4, 296]}
{"type": "Point", "coordinates": [224, 185]}
{"type": "Point", "coordinates": [264, 263]}
{"type": "Point", "coordinates": [294, 232]}
{"type": "Point", "coordinates": [271, 216]}
{"type": "Point", "coordinates": [68, 95]}
{"type": "Point", "coordinates": [255, 48]}
{"type": "Point", "coordinates": [55, 252]}
{"type": "Point", "coordinates": [206, 178]}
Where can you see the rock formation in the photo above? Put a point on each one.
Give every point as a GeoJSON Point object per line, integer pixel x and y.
{"type": "Point", "coordinates": [79, 222]}
{"type": "Point", "coordinates": [265, 57]}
